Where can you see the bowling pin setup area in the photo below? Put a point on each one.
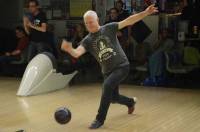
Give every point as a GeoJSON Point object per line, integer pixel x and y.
{"type": "Point", "coordinates": [43, 101]}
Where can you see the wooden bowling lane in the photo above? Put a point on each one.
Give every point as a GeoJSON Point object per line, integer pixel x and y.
{"type": "Point", "coordinates": [158, 109]}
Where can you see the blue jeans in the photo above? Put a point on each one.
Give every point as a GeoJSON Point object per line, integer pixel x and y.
{"type": "Point", "coordinates": [110, 93]}
{"type": "Point", "coordinates": [6, 59]}
{"type": "Point", "coordinates": [157, 64]}
{"type": "Point", "coordinates": [36, 48]}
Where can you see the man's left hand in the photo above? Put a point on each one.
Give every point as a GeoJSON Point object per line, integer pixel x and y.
{"type": "Point", "coordinates": [151, 9]}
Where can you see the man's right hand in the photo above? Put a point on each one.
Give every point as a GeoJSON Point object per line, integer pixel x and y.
{"type": "Point", "coordinates": [66, 46]}
{"type": "Point", "coordinates": [76, 53]}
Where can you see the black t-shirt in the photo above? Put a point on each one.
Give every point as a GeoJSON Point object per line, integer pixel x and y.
{"type": "Point", "coordinates": [105, 47]}
{"type": "Point", "coordinates": [37, 36]}
{"type": "Point", "coordinates": [110, 20]}
{"type": "Point", "coordinates": [123, 15]}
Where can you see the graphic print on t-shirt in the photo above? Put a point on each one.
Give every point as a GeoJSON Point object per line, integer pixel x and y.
{"type": "Point", "coordinates": [36, 22]}
{"type": "Point", "coordinates": [105, 51]}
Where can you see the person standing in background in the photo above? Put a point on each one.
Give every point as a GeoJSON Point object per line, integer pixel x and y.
{"type": "Point", "coordinates": [100, 8]}
{"type": "Point", "coordinates": [36, 29]}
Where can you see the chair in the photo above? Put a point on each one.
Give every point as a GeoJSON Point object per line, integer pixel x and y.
{"type": "Point", "coordinates": [178, 69]}
{"type": "Point", "coordinates": [181, 73]}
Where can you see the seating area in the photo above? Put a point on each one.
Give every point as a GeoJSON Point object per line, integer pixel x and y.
{"type": "Point", "coordinates": [138, 73]}
{"type": "Point", "coordinates": [152, 54]}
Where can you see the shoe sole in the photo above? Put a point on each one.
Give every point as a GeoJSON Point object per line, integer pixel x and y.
{"type": "Point", "coordinates": [135, 99]}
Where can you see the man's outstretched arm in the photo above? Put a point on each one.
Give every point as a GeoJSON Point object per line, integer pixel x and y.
{"type": "Point", "coordinates": [76, 53]}
{"type": "Point", "coordinates": [137, 17]}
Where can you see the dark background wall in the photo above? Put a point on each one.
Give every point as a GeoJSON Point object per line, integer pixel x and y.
{"type": "Point", "coordinates": [11, 12]}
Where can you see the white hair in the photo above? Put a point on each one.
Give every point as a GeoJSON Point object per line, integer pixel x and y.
{"type": "Point", "coordinates": [90, 13]}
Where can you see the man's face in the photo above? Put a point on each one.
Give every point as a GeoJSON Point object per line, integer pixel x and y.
{"type": "Point", "coordinates": [79, 28]}
{"type": "Point", "coordinates": [119, 6]}
{"type": "Point", "coordinates": [113, 14]}
{"type": "Point", "coordinates": [33, 7]}
{"type": "Point", "coordinates": [19, 34]}
{"type": "Point", "coordinates": [91, 24]}
{"type": "Point", "coordinates": [133, 4]}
